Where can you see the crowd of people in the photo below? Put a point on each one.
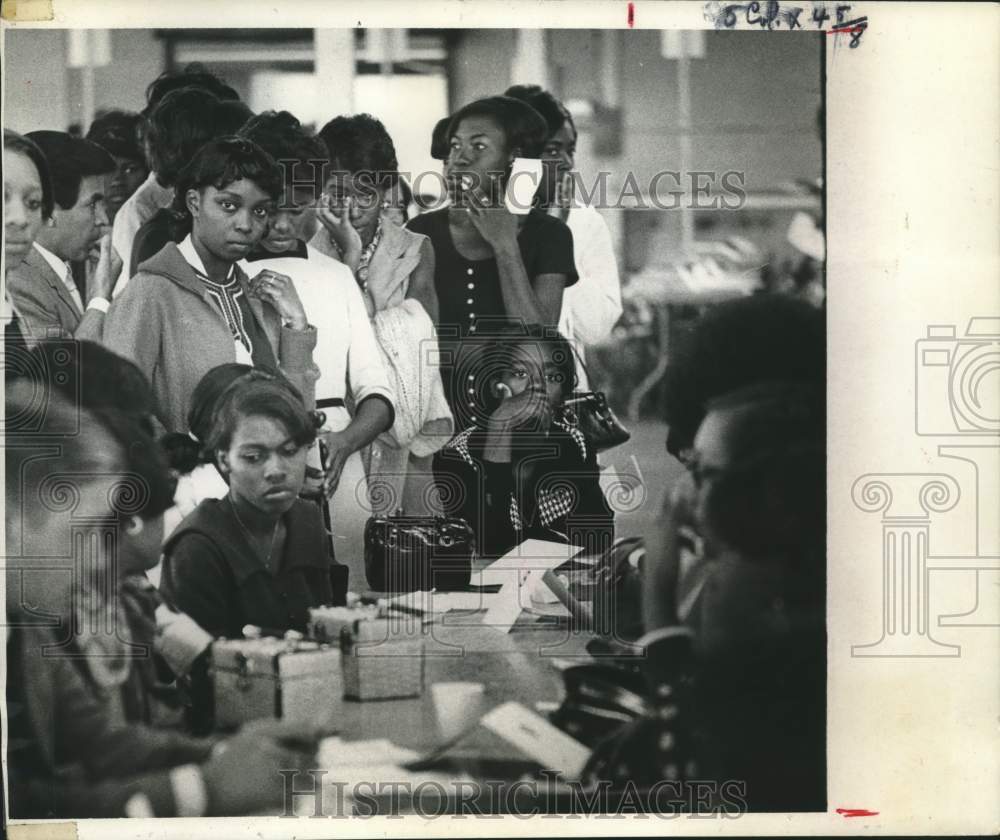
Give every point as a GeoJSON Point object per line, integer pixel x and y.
{"type": "Point", "coordinates": [245, 346]}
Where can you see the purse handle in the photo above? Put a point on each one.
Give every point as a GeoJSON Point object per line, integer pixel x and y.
{"type": "Point", "coordinates": [586, 371]}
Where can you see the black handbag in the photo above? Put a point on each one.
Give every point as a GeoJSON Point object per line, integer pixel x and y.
{"type": "Point", "coordinates": [418, 553]}
{"type": "Point", "coordinates": [589, 412]}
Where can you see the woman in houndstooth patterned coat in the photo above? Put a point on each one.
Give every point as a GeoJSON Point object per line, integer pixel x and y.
{"type": "Point", "coordinates": [527, 472]}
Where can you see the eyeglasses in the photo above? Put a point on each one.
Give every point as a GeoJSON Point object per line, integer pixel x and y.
{"type": "Point", "coordinates": [700, 472]}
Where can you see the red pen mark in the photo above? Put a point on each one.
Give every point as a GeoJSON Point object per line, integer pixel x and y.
{"type": "Point", "coordinates": [856, 812]}
{"type": "Point", "coordinates": [846, 30]}
{"type": "Point", "coordinates": [631, 15]}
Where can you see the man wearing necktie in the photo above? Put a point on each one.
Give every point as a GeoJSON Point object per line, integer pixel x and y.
{"type": "Point", "coordinates": [42, 291]}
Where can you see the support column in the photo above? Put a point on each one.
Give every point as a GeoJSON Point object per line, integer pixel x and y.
{"type": "Point", "coordinates": [334, 69]}
{"type": "Point", "coordinates": [530, 65]}
{"type": "Point", "coordinates": [905, 533]}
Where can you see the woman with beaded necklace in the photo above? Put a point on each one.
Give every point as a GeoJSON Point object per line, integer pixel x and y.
{"type": "Point", "coordinates": [394, 268]}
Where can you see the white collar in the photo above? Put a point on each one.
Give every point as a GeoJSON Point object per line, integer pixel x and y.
{"type": "Point", "coordinates": [60, 267]}
{"type": "Point", "coordinates": [187, 249]}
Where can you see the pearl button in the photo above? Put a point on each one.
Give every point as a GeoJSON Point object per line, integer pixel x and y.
{"type": "Point", "coordinates": [468, 271]}
{"type": "Point", "coordinates": [472, 314]}
{"type": "Point", "coordinates": [472, 390]}
{"type": "Point", "coordinates": [471, 286]}
{"type": "Point", "coordinates": [469, 301]}
{"type": "Point", "coordinates": [471, 376]}
{"type": "Point", "coordinates": [472, 405]}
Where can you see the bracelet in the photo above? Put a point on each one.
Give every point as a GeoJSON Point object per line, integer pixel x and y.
{"type": "Point", "coordinates": [101, 304]}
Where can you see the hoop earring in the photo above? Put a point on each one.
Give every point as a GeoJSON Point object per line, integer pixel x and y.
{"type": "Point", "coordinates": [134, 527]}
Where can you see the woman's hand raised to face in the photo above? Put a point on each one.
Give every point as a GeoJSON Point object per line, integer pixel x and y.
{"type": "Point", "coordinates": [337, 221]}
{"type": "Point", "coordinates": [279, 291]}
{"type": "Point", "coordinates": [497, 225]}
{"type": "Point", "coordinates": [103, 273]}
{"type": "Point", "coordinates": [529, 410]}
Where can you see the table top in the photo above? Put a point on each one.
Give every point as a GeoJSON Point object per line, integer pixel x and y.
{"type": "Point", "coordinates": [520, 665]}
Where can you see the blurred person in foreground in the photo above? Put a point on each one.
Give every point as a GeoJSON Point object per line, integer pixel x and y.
{"type": "Point", "coordinates": [738, 343]}
{"type": "Point", "coordinates": [90, 375]}
{"type": "Point", "coordinates": [71, 753]}
{"type": "Point", "coordinates": [742, 697]}
{"type": "Point", "coordinates": [42, 286]}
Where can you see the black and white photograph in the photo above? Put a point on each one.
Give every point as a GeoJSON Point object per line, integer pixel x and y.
{"type": "Point", "coordinates": [436, 422]}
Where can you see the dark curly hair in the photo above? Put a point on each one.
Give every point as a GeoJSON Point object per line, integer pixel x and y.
{"type": "Point", "coordinates": [117, 395]}
{"type": "Point", "coordinates": [524, 128]}
{"type": "Point", "coordinates": [70, 160]}
{"type": "Point", "coordinates": [183, 122]}
{"type": "Point", "coordinates": [265, 394]}
{"type": "Point", "coordinates": [118, 132]}
{"type": "Point", "coordinates": [555, 114]}
{"type": "Point", "coordinates": [218, 163]}
{"type": "Point", "coordinates": [737, 343]}
{"type": "Point", "coordinates": [194, 75]}
{"type": "Point", "coordinates": [439, 139]}
{"type": "Point", "coordinates": [301, 155]}
{"type": "Point", "coordinates": [360, 144]}
{"type": "Point", "coordinates": [187, 451]}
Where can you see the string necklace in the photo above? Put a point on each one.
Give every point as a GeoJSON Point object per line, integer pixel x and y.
{"type": "Point", "coordinates": [250, 536]}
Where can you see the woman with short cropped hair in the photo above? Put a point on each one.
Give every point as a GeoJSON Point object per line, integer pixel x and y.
{"type": "Point", "coordinates": [260, 555]}
{"type": "Point", "coordinates": [192, 308]}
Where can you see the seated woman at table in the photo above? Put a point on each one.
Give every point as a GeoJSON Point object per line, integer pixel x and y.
{"type": "Point", "coordinates": [73, 748]}
{"type": "Point", "coordinates": [493, 270]}
{"type": "Point", "coordinates": [735, 344]}
{"type": "Point", "coordinates": [526, 472]}
{"type": "Point", "coordinates": [191, 308]}
{"type": "Point", "coordinates": [260, 555]}
{"type": "Point", "coordinates": [742, 698]}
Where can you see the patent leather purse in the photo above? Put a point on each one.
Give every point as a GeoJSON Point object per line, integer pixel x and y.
{"type": "Point", "coordinates": [589, 412]}
{"type": "Point", "coordinates": [418, 553]}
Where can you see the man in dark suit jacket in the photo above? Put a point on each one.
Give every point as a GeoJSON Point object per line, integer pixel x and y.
{"type": "Point", "coordinates": [42, 288]}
